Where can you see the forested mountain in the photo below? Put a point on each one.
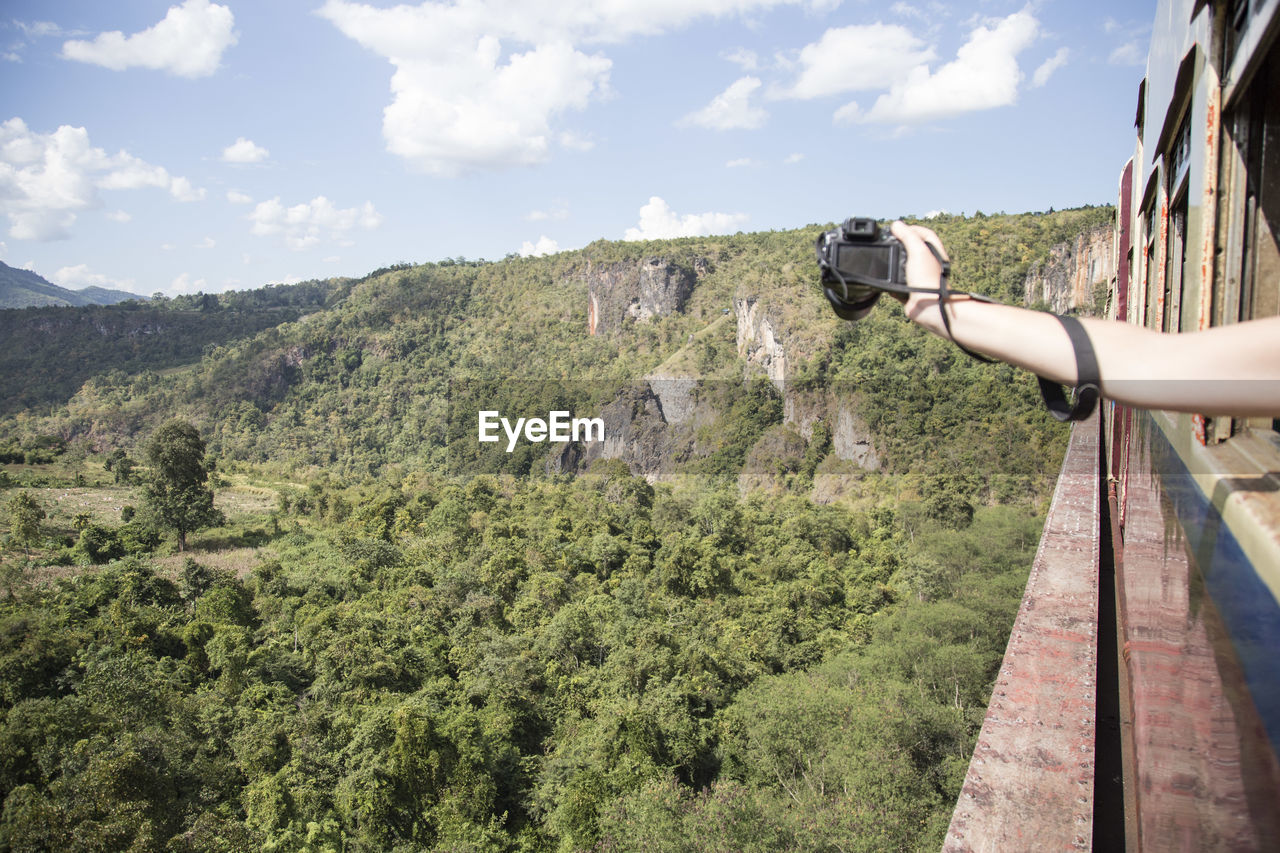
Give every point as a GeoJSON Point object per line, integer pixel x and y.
{"type": "Point", "coordinates": [364, 384]}
{"type": "Point", "coordinates": [24, 289]}
{"type": "Point", "coordinates": [765, 616]}
{"type": "Point", "coordinates": [49, 352]}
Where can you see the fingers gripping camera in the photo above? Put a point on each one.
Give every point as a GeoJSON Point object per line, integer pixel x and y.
{"type": "Point", "coordinates": [859, 261]}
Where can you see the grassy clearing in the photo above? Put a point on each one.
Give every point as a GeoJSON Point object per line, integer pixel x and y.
{"type": "Point", "coordinates": [245, 503]}
{"type": "Point", "coordinates": [684, 361]}
{"type": "Point", "coordinates": [239, 561]}
{"type": "Point", "coordinates": [102, 504]}
{"type": "Point", "coordinates": [81, 489]}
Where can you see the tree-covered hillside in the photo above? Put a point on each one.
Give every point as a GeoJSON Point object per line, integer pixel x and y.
{"type": "Point", "coordinates": [49, 352]}
{"type": "Point", "coordinates": [362, 384]}
{"type": "Point", "coordinates": [21, 288]}
{"type": "Point", "coordinates": [379, 638]}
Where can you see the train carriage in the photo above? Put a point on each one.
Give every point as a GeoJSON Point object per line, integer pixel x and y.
{"type": "Point", "coordinates": [1138, 705]}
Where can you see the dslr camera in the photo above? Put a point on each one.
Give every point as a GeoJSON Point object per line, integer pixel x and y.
{"type": "Point", "coordinates": [859, 261]}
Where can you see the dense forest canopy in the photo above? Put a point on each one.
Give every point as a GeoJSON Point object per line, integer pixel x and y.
{"type": "Point", "coordinates": [385, 640]}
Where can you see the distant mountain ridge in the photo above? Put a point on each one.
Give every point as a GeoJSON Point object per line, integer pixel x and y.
{"type": "Point", "coordinates": [25, 289]}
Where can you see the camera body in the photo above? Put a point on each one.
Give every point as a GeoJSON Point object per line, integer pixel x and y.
{"type": "Point", "coordinates": [858, 259]}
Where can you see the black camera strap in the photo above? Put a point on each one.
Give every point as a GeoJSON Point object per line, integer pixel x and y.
{"type": "Point", "coordinates": [944, 293]}
{"type": "Point", "coordinates": [1088, 377]}
{"type": "Point", "coordinates": [846, 309]}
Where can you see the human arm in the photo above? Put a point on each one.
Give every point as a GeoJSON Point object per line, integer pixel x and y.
{"type": "Point", "coordinates": [1223, 370]}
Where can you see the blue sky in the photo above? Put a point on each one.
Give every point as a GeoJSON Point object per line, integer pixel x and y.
{"type": "Point", "coordinates": [176, 147]}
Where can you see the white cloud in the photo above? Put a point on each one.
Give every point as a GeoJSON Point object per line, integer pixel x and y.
{"type": "Point", "coordinates": [39, 29]}
{"type": "Point", "coordinates": [740, 162]}
{"type": "Point", "coordinates": [793, 158]}
{"type": "Point", "coordinates": [743, 58]}
{"type": "Point", "coordinates": [31, 31]}
{"type": "Point", "coordinates": [576, 141]}
{"type": "Point", "coordinates": [306, 225]}
{"type": "Point", "coordinates": [1129, 53]}
{"type": "Point", "coordinates": [906, 10]}
{"type": "Point", "coordinates": [731, 109]}
{"type": "Point", "coordinates": [659, 222]}
{"type": "Point", "coordinates": [559, 210]}
{"type": "Point", "coordinates": [863, 57]}
{"type": "Point", "coordinates": [46, 178]}
{"type": "Point", "coordinates": [1050, 65]}
{"type": "Point", "coordinates": [79, 277]}
{"type": "Point", "coordinates": [237, 197]}
{"type": "Point", "coordinates": [244, 151]}
{"type": "Point", "coordinates": [207, 243]}
{"type": "Point", "coordinates": [544, 246]}
{"type": "Point", "coordinates": [120, 216]}
{"type": "Point", "coordinates": [984, 75]}
{"type": "Point", "coordinates": [482, 84]}
{"type": "Point", "coordinates": [182, 190]}
{"type": "Point", "coordinates": [479, 113]}
{"type": "Point", "coordinates": [184, 284]}
{"type": "Point", "coordinates": [189, 42]}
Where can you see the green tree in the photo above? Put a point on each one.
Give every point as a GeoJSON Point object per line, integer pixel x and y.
{"type": "Point", "coordinates": [176, 490]}
{"type": "Point", "coordinates": [25, 515]}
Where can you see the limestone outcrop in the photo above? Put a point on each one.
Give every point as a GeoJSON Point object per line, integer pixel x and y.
{"type": "Point", "coordinates": [639, 290]}
{"type": "Point", "coordinates": [759, 338]}
{"type": "Point", "coordinates": [1066, 281]}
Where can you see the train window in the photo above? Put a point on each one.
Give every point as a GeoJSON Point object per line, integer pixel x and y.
{"type": "Point", "coordinates": [1149, 296]}
{"type": "Point", "coordinates": [1180, 154]}
{"type": "Point", "coordinates": [1174, 265]}
{"type": "Point", "coordinates": [1260, 295]}
{"type": "Point", "coordinates": [1238, 12]}
{"type": "Point", "coordinates": [1252, 178]}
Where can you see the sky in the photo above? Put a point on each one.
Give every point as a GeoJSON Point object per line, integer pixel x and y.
{"type": "Point", "coordinates": [177, 147]}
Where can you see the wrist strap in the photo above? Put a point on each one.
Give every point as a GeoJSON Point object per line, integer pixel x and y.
{"type": "Point", "coordinates": [944, 294]}
{"type": "Point", "coordinates": [1088, 379]}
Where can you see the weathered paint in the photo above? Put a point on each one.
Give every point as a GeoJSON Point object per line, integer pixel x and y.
{"type": "Point", "coordinates": [1162, 258]}
{"type": "Point", "coordinates": [1209, 199]}
{"type": "Point", "coordinates": [1030, 782]}
{"type": "Point", "coordinates": [1198, 632]}
{"type": "Point", "coordinates": [1124, 245]}
{"type": "Point", "coordinates": [1208, 218]}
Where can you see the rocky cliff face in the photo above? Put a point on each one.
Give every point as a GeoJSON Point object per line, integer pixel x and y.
{"type": "Point", "coordinates": [837, 408]}
{"type": "Point", "coordinates": [636, 289]}
{"type": "Point", "coordinates": [637, 431]}
{"type": "Point", "coordinates": [763, 342]}
{"type": "Point", "coordinates": [654, 425]}
{"type": "Point", "coordinates": [759, 339]}
{"type": "Point", "coordinates": [1067, 279]}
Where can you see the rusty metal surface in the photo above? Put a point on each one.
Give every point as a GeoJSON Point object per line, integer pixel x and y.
{"type": "Point", "coordinates": [1030, 782]}
{"type": "Point", "coordinates": [1206, 775]}
{"type": "Point", "coordinates": [1124, 242]}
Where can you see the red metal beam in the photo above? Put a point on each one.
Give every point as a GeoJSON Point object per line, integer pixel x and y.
{"type": "Point", "coordinates": [1030, 782]}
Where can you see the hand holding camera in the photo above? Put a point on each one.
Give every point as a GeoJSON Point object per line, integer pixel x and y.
{"type": "Point", "coordinates": [860, 260]}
